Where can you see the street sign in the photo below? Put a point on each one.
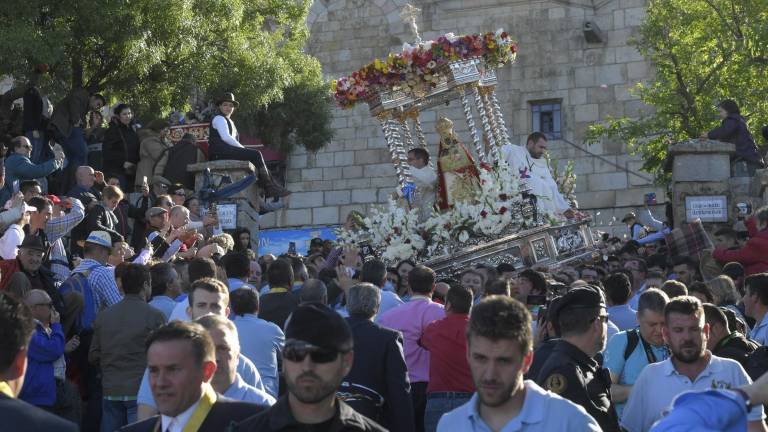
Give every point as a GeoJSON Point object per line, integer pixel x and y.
{"type": "Point", "coordinates": [713, 208]}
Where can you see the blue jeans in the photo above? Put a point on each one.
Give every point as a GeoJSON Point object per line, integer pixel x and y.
{"type": "Point", "coordinates": [116, 414]}
{"type": "Point", "coordinates": [75, 148]}
{"type": "Point", "coordinates": [440, 403]}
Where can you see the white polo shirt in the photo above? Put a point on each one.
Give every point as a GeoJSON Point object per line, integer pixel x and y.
{"type": "Point", "coordinates": [659, 383]}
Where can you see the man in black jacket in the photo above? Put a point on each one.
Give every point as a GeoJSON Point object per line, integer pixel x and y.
{"type": "Point", "coordinates": [316, 357]}
{"type": "Point", "coordinates": [16, 328]}
{"type": "Point", "coordinates": [100, 217]}
{"type": "Point", "coordinates": [722, 341]}
{"type": "Point", "coordinates": [377, 386]}
{"type": "Point", "coordinates": [181, 360]}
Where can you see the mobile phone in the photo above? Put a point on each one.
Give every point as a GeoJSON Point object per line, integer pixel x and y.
{"type": "Point", "coordinates": [291, 248]}
{"type": "Point", "coordinates": [744, 208]}
{"type": "Point", "coordinates": [144, 180]}
{"type": "Point", "coordinates": [16, 187]}
{"type": "Point", "coordinates": [650, 198]}
{"type": "Point", "coordinates": [536, 300]}
{"type": "Point", "coordinates": [365, 251]}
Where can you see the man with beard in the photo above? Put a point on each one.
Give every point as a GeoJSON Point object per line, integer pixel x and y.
{"type": "Point", "coordinates": [529, 164]}
{"type": "Point", "coordinates": [499, 351]}
{"type": "Point", "coordinates": [571, 370]}
{"type": "Point", "coordinates": [691, 367]}
{"type": "Point", "coordinates": [316, 358]}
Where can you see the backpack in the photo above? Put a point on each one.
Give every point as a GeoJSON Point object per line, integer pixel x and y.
{"type": "Point", "coordinates": [633, 338]}
{"type": "Point", "coordinates": [78, 283]}
{"type": "Point", "coordinates": [757, 362]}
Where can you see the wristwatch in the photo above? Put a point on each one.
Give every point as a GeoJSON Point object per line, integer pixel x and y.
{"type": "Point", "coordinates": [744, 396]}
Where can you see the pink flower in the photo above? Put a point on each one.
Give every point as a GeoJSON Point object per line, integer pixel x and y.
{"type": "Point", "coordinates": [483, 214]}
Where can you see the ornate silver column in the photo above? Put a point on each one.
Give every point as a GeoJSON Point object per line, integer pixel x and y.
{"type": "Point", "coordinates": [471, 124]}
{"type": "Point", "coordinates": [394, 144]}
{"type": "Point", "coordinates": [492, 151]}
{"type": "Point", "coordinates": [499, 116]}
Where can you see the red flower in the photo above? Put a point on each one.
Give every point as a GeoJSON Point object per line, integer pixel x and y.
{"type": "Point", "coordinates": [407, 241]}
{"type": "Point", "coordinates": [503, 197]}
{"type": "Point", "coordinates": [448, 226]}
{"type": "Point", "coordinates": [502, 210]}
{"type": "Point", "coordinates": [425, 235]}
{"type": "Point", "coordinates": [483, 213]}
{"type": "Point", "coordinates": [396, 230]}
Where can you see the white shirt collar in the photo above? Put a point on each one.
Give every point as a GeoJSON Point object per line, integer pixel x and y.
{"type": "Point", "coordinates": [180, 420]}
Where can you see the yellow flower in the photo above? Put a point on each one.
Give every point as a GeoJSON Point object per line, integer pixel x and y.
{"type": "Point", "coordinates": [334, 84]}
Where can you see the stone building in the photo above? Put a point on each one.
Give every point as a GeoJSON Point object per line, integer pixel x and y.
{"type": "Point", "coordinates": [563, 80]}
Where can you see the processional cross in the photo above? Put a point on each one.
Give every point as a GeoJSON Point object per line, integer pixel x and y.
{"type": "Point", "coordinates": [409, 15]}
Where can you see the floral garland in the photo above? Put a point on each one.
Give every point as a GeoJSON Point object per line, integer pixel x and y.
{"type": "Point", "coordinates": [418, 68]}
{"type": "Point", "coordinates": [397, 234]}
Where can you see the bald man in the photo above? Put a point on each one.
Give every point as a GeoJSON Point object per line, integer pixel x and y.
{"type": "Point", "coordinates": [87, 181]}
{"type": "Point", "coordinates": [46, 364]}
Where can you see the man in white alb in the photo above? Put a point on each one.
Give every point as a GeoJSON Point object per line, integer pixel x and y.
{"type": "Point", "coordinates": [530, 166]}
{"type": "Point", "coordinates": [425, 179]}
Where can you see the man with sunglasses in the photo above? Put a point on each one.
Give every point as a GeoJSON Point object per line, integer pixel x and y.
{"type": "Point", "coordinates": [316, 358]}
{"type": "Point", "coordinates": [571, 370]}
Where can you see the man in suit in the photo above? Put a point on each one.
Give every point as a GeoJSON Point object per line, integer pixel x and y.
{"type": "Point", "coordinates": [377, 386]}
{"type": "Point", "coordinates": [182, 361]}
{"type": "Point", "coordinates": [16, 328]}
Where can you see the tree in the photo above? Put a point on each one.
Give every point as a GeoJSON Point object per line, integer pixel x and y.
{"type": "Point", "coordinates": [703, 51]}
{"type": "Point", "coordinates": [155, 53]}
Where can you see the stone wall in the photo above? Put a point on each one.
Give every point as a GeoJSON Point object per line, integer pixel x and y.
{"type": "Point", "coordinates": [591, 80]}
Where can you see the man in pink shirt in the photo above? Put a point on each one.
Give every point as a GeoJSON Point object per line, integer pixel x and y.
{"type": "Point", "coordinates": [411, 319]}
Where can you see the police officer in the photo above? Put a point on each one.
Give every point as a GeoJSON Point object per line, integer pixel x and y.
{"type": "Point", "coordinates": [571, 370]}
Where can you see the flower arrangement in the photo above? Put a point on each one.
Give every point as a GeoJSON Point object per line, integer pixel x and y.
{"type": "Point", "coordinates": [398, 235]}
{"type": "Point", "coordinates": [418, 68]}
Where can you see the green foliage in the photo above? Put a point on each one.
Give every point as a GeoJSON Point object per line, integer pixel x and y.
{"type": "Point", "coordinates": [155, 53]}
{"type": "Point", "coordinates": [565, 177]}
{"type": "Point", "coordinates": [703, 51]}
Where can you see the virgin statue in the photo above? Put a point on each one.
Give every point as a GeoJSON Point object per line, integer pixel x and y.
{"type": "Point", "coordinates": [457, 175]}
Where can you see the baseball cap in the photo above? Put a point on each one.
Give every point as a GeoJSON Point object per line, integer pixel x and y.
{"type": "Point", "coordinates": [314, 326]}
{"type": "Point", "coordinates": [155, 211]}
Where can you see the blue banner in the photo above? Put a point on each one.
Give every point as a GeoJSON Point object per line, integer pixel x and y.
{"type": "Point", "coordinates": [277, 241]}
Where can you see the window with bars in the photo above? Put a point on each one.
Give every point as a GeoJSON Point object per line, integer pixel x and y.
{"type": "Point", "coordinates": [546, 118]}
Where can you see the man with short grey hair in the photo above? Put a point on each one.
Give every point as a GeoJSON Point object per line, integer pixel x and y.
{"type": "Point", "coordinates": [314, 291]}
{"type": "Point", "coordinates": [377, 386]}
{"type": "Point", "coordinates": [363, 299]}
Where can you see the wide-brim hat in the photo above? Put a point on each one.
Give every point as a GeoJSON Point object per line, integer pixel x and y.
{"type": "Point", "coordinates": [227, 97]}
{"type": "Point", "coordinates": [101, 238]}
{"type": "Point", "coordinates": [33, 242]}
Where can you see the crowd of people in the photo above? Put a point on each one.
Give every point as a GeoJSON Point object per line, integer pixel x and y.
{"type": "Point", "coordinates": [146, 315]}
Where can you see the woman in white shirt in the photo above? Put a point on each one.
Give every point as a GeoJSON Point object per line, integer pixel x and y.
{"type": "Point", "coordinates": [224, 143]}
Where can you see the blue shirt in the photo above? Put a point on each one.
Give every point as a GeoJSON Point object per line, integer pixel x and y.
{"type": "Point", "coordinates": [261, 341]}
{"type": "Point", "coordinates": [709, 410]}
{"type": "Point", "coordinates": [240, 391]}
{"type": "Point", "coordinates": [659, 384]}
{"type": "Point", "coordinates": [542, 411]}
{"type": "Point", "coordinates": [628, 370]}
{"type": "Point", "coordinates": [635, 299]}
{"type": "Point", "coordinates": [245, 369]}
{"type": "Point", "coordinates": [164, 304]}
{"type": "Point", "coordinates": [760, 332]}
{"type": "Point", "coordinates": [389, 300]}
{"type": "Point", "coordinates": [235, 283]}
{"type": "Point", "coordinates": [623, 316]}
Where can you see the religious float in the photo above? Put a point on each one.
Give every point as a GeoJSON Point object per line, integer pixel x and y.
{"type": "Point", "coordinates": [483, 212]}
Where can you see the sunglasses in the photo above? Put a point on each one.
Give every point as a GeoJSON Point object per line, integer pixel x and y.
{"type": "Point", "coordinates": [297, 351]}
{"type": "Point", "coordinates": [48, 305]}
